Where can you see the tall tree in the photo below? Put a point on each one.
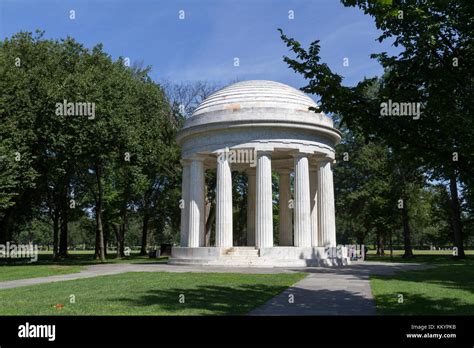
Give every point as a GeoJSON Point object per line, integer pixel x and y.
{"type": "Point", "coordinates": [435, 37]}
{"type": "Point", "coordinates": [69, 164]}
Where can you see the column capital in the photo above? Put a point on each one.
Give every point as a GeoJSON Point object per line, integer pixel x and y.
{"type": "Point", "coordinates": [185, 162]}
{"type": "Point", "coordinates": [324, 159]}
{"type": "Point", "coordinates": [301, 154]}
{"type": "Point", "coordinates": [197, 157]}
{"type": "Point", "coordinates": [263, 152]}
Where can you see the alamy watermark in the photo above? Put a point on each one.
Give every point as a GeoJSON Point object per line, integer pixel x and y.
{"type": "Point", "coordinates": [37, 331]}
{"type": "Point", "coordinates": [19, 251]}
{"type": "Point", "coordinates": [76, 109]}
{"type": "Point", "coordinates": [352, 251]}
{"type": "Point", "coordinates": [238, 156]}
{"type": "Point", "coordinates": [391, 108]}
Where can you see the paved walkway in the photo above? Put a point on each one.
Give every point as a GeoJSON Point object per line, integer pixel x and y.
{"type": "Point", "coordinates": [325, 291]}
{"type": "Point", "coordinates": [332, 291]}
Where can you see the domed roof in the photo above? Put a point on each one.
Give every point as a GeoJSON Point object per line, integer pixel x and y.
{"type": "Point", "coordinates": [262, 115]}
{"type": "Point", "coordinates": [258, 106]}
{"type": "Point", "coordinates": [255, 94]}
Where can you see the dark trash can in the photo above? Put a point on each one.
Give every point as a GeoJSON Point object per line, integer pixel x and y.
{"type": "Point", "coordinates": [153, 254]}
{"type": "Point", "coordinates": [165, 249]}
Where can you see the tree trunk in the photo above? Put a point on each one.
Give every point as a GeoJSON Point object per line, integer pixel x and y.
{"type": "Point", "coordinates": [146, 219]}
{"type": "Point", "coordinates": [55, 233]}
{"type": "Point", "coordinates": [380, 245]}
{"type": "Point", "coordinates": [121, 232]}
{"type": "Point", "coordinates": [456, 217]}
{"type": "Point", "coordinates": [122, 242]}
{"type": "Point", "coordinates": [64, 219]}
{"type": "Point", "coordinates": [119, 236]}
{"type": "Point", "coordinates": [391, 246]}
{"type": "Point", "coordinates": [406, 231]}
{"type": "Point", "coordinates": [5, 226]}
{"type": "Point", "coordinates": [63, 237]}
{"type": "Point", "coordinates": [106, 234]}
{"type": "Point", "coordinates": [99, 248]}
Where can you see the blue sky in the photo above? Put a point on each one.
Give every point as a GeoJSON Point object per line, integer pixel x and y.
{"type": "Point", "coordinates": [203, 45]}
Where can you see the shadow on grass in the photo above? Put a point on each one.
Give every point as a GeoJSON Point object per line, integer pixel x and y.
{"type": "Point", "coordinates": [457, 275]}
{"type": "Point", "coordinates": [415, 304]}
{"type": "Point", "coordinates": [248, 299]}
{"type": "Point", "coordinates": [207, 299]}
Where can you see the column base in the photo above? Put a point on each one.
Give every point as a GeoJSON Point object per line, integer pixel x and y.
{"type": "Point", "coordinates": [263, 257]}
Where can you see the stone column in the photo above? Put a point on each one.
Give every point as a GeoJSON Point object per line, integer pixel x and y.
{"type": "Point", "coordinates": [326, 212]}
{"type": "Point", "coordinates": [264, 210]}
{"type": "Point", "coordinates": [196, 203]}
{"type": "Point", "coordinates": [251, 207]}
{"type": "Point", "coordinates": [313, 196]}
{"type": "Point", "coordinates": [223, 203]}
{"type": "Point", "coordinates": [286, 223]}
{"type": "Point", "coordinates": [184, 204]}
{"type": "Point", "coordinates": [302, 202]}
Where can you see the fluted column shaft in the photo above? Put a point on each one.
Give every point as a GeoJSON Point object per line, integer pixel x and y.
{"type": "Point", "coordinates": [286, 224]}
{"type": "Point", "coordinates": [326, 211]}
{"type": "Point", "coordinates": [223, 203]}
{"type": "Point", "coordinates": [251, 207]}
{"type": "Point", "coordinates": [313, 184]}
{"type": "Point", "coordinates": [264, 211]}
{"type": "Point", "coordinates": [302, 202]}
{"type": "Point", "coordinates": [185, 207]}
{"type": "Point", "coordinates": [196, 204]}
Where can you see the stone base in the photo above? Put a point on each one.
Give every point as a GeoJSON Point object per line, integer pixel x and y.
{"type": "Point", "coordinates": [264, 257]}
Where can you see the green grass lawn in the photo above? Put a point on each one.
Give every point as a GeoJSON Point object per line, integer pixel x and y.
{"type": "Point", "coordinates": [144, 293]}
{"type": "Point", "coordinates": [35, 271]}
{"type": "Point", "coordinates": [420, 256]}
{"type": "Point", "coordinates": [446, 289]}
{"type": "Point", "coordinates": [77, 260]}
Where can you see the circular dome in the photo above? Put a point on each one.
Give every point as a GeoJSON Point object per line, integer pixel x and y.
{"type": "Point", "coordinates": [257, 101]}
{"type": "Point", "coordinates": [258, 115]}
{"type": "Point", "coordinates": [256, 94]}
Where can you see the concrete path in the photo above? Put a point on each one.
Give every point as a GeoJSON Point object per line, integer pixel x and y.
{"type": "Point", "coordinates": [325, 291]}
{"type": "Point", "coordinates": [333, 291]}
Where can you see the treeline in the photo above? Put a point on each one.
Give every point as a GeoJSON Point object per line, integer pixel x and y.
{"type": "Point", "coordinates": [383, 205]}
{"type": "Point", "coordinates": [85, 141]}
{"type": "Point", "coordinates": [411, 154]}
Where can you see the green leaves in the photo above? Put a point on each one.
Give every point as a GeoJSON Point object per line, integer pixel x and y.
{"type": "Point", "coordinates": [60, 154]}
{"type": "Point", "coordinates": [434, 37]}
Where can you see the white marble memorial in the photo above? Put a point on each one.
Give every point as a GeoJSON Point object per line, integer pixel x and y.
{"type": "Point", "coordinates": [260, 127]}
